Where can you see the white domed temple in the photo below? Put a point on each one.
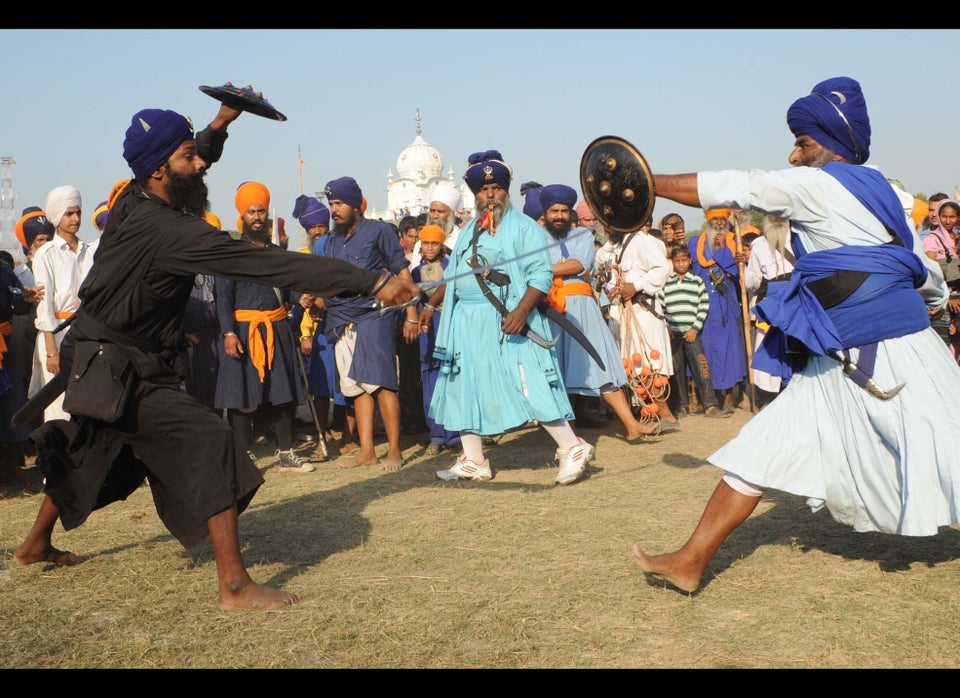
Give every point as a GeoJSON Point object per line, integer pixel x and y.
{"type": "Point", "coordinates": [419, 168]}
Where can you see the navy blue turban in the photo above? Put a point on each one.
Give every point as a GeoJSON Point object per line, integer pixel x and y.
{"type": "Point", "coordinates": [153, 136]}
{"type": "Point", "coordinates": [487, 168]}
{"type": "Point", "coordinates": [553, 194]}
{"type": "Point", "coordinates": [530, 191]}
{"type": "Point", "coordinates": [834, 114]}
{"type": "Point", "coordinates": [310, 212]}
{"type": "Point", "coordinates": [344, 189]}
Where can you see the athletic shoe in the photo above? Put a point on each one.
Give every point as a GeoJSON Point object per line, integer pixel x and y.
{"type": "Point", "coordinates": [290, 462]}
{"type": "Point", "coordinates": [468, 470]}
{"type": "Point", "coordinates": [573, 461]}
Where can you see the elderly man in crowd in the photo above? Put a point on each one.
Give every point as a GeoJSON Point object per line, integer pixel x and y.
{"type": "Point", "coordinates": [714, 259]}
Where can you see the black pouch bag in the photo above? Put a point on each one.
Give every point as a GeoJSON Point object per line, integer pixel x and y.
{"type": "Point", "coordinates": [101, 379]}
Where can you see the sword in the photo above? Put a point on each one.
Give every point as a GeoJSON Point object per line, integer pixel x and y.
{"type": "Point", "coordinates": [856, 374]}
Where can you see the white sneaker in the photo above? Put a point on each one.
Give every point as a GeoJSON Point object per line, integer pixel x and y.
{"type": "Point", "coordinates": [290, 462]}
{"type": "Point", "coordinates": [468, 470]}
{"type": "Point", "coordinates": [573, 461]}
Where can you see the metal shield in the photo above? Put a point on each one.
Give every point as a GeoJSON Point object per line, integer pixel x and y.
{"type": "Point", "coordinates": [243, 98]}
{"type": "Point", "coordinates": [617, 184]}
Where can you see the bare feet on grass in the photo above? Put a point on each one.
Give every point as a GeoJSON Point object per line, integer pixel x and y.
{"type": "Point", "coordinates": [639, 429]}
{"type": "Point", "coordinates": [669, 567]}
{"type": "Point", "coordinates": [360, 460]}
{"type": "Point", "coordinates": [255, 597]}
{"type": "Point", "coordinates": [26, 555]}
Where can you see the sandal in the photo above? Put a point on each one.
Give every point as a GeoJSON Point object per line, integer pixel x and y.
{"type": "Point", "coordinates": [715, 412]}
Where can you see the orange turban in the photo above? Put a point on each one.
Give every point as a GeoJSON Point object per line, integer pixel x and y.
{"type": "Point", "coordinates": [432, 233]}
{"type": "Point", "coordinates": [213, 220]}
{"type": "Point", "coordinates": [115, 192]}
{"type": "Point", "coordinates": [714, 212]}
{"type": "Point", "coordinates": [920, 211]}
{"type": "Point", "coordinates": [251, 194]}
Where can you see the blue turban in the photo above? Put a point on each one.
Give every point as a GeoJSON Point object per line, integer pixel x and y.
{"type": "Point", "coordinates": [487, 168]}
{"type": "Point", "coordinates": [834, 114]}
{"type": "Point", "coordinates": [344, 189]}
{"type": "Point", "coordinates": [553, 194]}
{"type": "Point", "coordinates": [310, 212]}
{"type": "Point", "coordinates": [530, 191]}
{"type": "Point", "coordinates": [153, 136]}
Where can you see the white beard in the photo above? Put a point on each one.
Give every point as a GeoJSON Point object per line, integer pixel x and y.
{"type": "Point", "coordinates": [777, 233]}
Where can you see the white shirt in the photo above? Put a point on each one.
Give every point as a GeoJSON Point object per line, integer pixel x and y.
{"type": "Point", "coordinates": [61, 271]}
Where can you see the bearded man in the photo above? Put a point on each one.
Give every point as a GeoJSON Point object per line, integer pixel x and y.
{"type": "Point", "coordinates": [572, 254]}
{"type": "Point", "coordinates": [365, 339]}
{"type": "Point", "coordinates": [154, 245]}
{"type": "Point", "coordinates": [498, 370]}
{"type": "Point", "coordinates": [444, 204]}
{"type": "Point", "coordinates": [259, 377]}
{"type": "Point", "coordinates": [714, 259]}
{"type": "Point", "coordinates": [853, 321]}
{"type": "Point", "coordinates": [771, 262]}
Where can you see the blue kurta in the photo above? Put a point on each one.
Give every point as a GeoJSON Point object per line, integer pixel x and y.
{"type": "Point", "coordinates": [372, 245]}
{"type": "Point", "coordinates": [238, 383]}
{"type": "Point", "coordinates": [582, 375]}
{"type": "Point", "coordinates": [722, 332]}
{"type": "Point", "coordinates": [429, 365]}
{"type": "Point", "coordinates": [489, 382]}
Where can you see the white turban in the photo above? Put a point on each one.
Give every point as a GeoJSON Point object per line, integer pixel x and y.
{"type": "Point", "coordinates": [59, 200]}
{"type": "Point", "coordinates": [446, 194]}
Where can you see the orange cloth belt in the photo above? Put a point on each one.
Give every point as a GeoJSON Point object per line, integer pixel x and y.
{"type": "Point", "coordinates": [6, 329]}
{"type": "Point", "coordinates": [64, 314]}
{"type": "Point", "coordinates": [261, 356]}
{"type": "Point", "coordinates": [557, 297]}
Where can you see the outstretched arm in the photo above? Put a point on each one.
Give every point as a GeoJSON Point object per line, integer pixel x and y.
{"type": "Point", "coordinates": [681, 188]}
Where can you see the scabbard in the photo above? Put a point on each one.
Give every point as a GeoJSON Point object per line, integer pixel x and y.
{"type": "Point", "coordinates": [41, 400]}
{"type": "Point", "coordinates": [571, 329]}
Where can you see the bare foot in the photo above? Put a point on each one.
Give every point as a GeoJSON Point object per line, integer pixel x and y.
{"type": "Point", "coordinates": [640, 429]}
{"type": "Point", "coordinates": [668, 568]}
{"type": "Point", "coordinates": [391, 464]}
{"type": "Point", "coordinates": [359, 461]}
{"type": "Point", "coordinates": [256, 597]}
{"type": "Point", "coordinates": [28, 556]}
{"type": "Point", "coordinates": [348, 448]}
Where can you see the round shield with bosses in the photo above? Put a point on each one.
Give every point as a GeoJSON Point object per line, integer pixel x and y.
{"type": "Point", "coordinates": [244, 99]}
{"type": "Point", "coordinates": [617, 184]}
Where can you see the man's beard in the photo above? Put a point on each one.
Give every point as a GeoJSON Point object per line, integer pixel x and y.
{"type": "Point", "coordinates": [498, 208]}
{"type": "Point", "coordinates": [447, 224]}
{"type": "Point", "coordinates": [188, 194]}
{"type": "Point", "coordinates": [820, 160]}
{"type": "Point", "coordinates": [262, 235]}
{"type": "Point", "coordinates": [558, 228]}
{"type": "Point", "coordinates": [776, 231]}
{"type": "Point", "coordinates": [718, 238]}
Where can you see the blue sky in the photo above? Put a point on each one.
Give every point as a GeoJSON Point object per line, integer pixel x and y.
{"type": "Point", "coordinates": [687, 99]}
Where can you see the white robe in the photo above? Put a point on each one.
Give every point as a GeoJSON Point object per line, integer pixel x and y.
{"type": "Point", "coordinates": [890, 466]}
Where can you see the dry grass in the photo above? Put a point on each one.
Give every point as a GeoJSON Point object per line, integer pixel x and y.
{"type": "Point", "coordinates": [404, 571]}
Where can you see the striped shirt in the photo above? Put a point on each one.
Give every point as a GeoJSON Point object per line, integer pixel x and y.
{"type": "Point", "coordinates": [685, 302]}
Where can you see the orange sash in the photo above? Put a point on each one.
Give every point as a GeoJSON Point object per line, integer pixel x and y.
{"type": "Point", "coordinates": [64, 314]}
{"type": "Point", "coordinates": [260, 356]}
{"type": "Point", "coordinates": [557, 297]}
{"type": "Point", "coordinates": [6, 329]}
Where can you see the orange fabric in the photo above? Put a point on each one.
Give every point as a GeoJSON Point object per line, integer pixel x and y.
{"type": "Point", "coordinates": [6, 329]}
{"type": "Point", "coordinates": [18, 227]}
{"type": "Point", "coordinates": [251, 194]}
{"type": "Point", "coordinates": [63, 314]}
{"type": "Point", "coordinates": [557, 297]}
{"type": "Point", "coordinates": [432, 233]}
{"type": "Point", "coordinates": [730, 240]}
{"type": "Point", "coordinates": [115, 192]}
{"type": "Point", "coordinates": [260, 356]}
{"type": "Point", "coordinates": [192, 336]}
{"type": "Point", "coordinates": [714, 212]}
